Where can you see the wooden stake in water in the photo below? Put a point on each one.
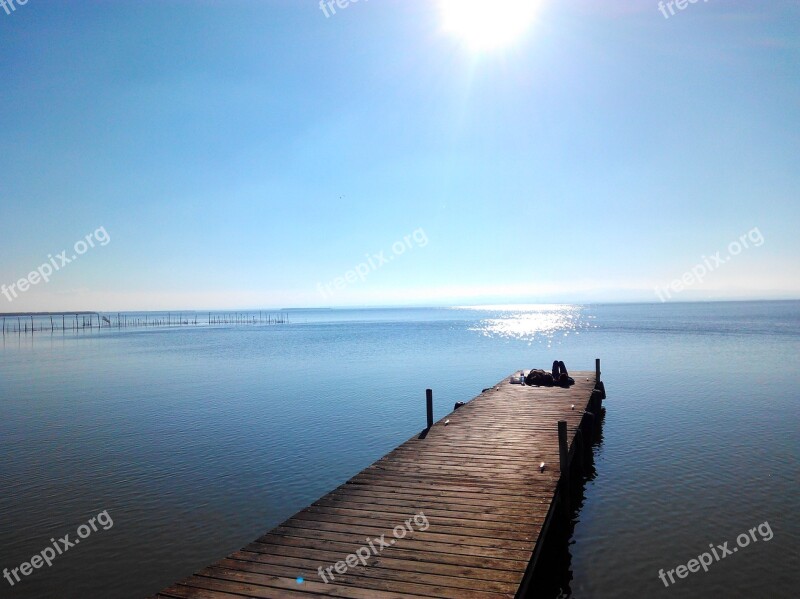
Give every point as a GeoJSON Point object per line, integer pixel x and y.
{"type": "Point", "coordinates": [429, 406]}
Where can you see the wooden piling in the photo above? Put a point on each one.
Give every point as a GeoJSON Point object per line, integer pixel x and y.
{"type": "Point", "coordinates": [429, 406]}
{"type": "Point", "coordinates": [563, 448]}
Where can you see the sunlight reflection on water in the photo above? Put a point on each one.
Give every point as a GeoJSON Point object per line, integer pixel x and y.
{"type": "Point", "coordinates": [531, 322]}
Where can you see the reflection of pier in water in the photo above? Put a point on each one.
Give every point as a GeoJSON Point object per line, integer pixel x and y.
{"type": "Point", "coordinates": [25, 323]}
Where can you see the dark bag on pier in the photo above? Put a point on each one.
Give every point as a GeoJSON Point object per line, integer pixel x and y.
{"type": "Point", "coordinates": [539, 377]}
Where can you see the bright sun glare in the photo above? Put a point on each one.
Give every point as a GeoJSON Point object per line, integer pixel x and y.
{"type": "Point", "coordinates": [487, 24]}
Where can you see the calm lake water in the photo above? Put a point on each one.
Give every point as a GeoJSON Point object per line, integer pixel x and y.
{"type": "Point", "coordinates": [196, 440]}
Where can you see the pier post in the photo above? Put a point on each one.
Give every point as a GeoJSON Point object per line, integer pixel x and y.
{"type": "Point", "coordinates": [597, 370]}
{"type": "Point", "coordinates": [563, 447]}
{"type": "Point", "coordinates": [596, 402]}
{"type": "Point", "coordinates": [579, 450]}
{"type": "Point", "coordinates": [563, 454]}
{"type": "Point", "coordinates": [429, 405]}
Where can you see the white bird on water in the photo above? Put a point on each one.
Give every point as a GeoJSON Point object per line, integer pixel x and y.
{"type": "Point", "coordinates": [541, 467]}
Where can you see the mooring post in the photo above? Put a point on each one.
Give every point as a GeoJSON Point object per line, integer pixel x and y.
{"type": "Point", "coordinates": [579, 449]}
{"type": "Point", "coordinates": [563, 454]}
{"type": "Point", "coordinates": [597, 370]}
{"type": "Point", "coordinates": [429, 405]}
{"type": "Point", "coordinates": [563, 447]}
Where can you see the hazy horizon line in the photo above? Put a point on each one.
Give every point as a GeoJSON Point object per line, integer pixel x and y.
{"type": "Point", "coordinates": [492, 305]}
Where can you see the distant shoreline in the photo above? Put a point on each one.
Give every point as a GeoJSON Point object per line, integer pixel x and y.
{"type": "Point", "coordinates": [510, 306]}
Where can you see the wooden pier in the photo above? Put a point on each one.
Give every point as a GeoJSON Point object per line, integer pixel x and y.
{"type": "Point", "coordinates": [459, 511]}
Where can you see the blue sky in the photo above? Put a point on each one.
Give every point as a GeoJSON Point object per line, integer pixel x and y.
{"type": "Point", "coordinates": [248, 154]}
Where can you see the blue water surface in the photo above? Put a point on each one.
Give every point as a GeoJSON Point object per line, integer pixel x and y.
{"type": "Point", "coordinates": [197, 439]}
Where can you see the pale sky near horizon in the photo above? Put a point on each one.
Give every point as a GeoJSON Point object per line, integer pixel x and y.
{"type": "Point", "coordinates": [247, 154]}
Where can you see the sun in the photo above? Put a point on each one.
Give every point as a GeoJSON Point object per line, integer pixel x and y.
{"type": "Point", "coordinates": [487, 24]}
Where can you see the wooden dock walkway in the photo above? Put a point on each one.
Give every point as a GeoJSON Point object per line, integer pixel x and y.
{"type": "Point", "coordinates": [459, 511]}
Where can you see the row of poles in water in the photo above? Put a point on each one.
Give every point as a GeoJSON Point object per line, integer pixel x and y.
{"type": "Point", "coordinates": [80, 321]}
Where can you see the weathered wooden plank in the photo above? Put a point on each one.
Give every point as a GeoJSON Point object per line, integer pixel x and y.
{"type": "Point", "coordinates": [508, 560]}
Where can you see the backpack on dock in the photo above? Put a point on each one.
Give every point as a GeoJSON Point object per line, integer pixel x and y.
{"type": "Point", "coordinates": [539, 377]}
